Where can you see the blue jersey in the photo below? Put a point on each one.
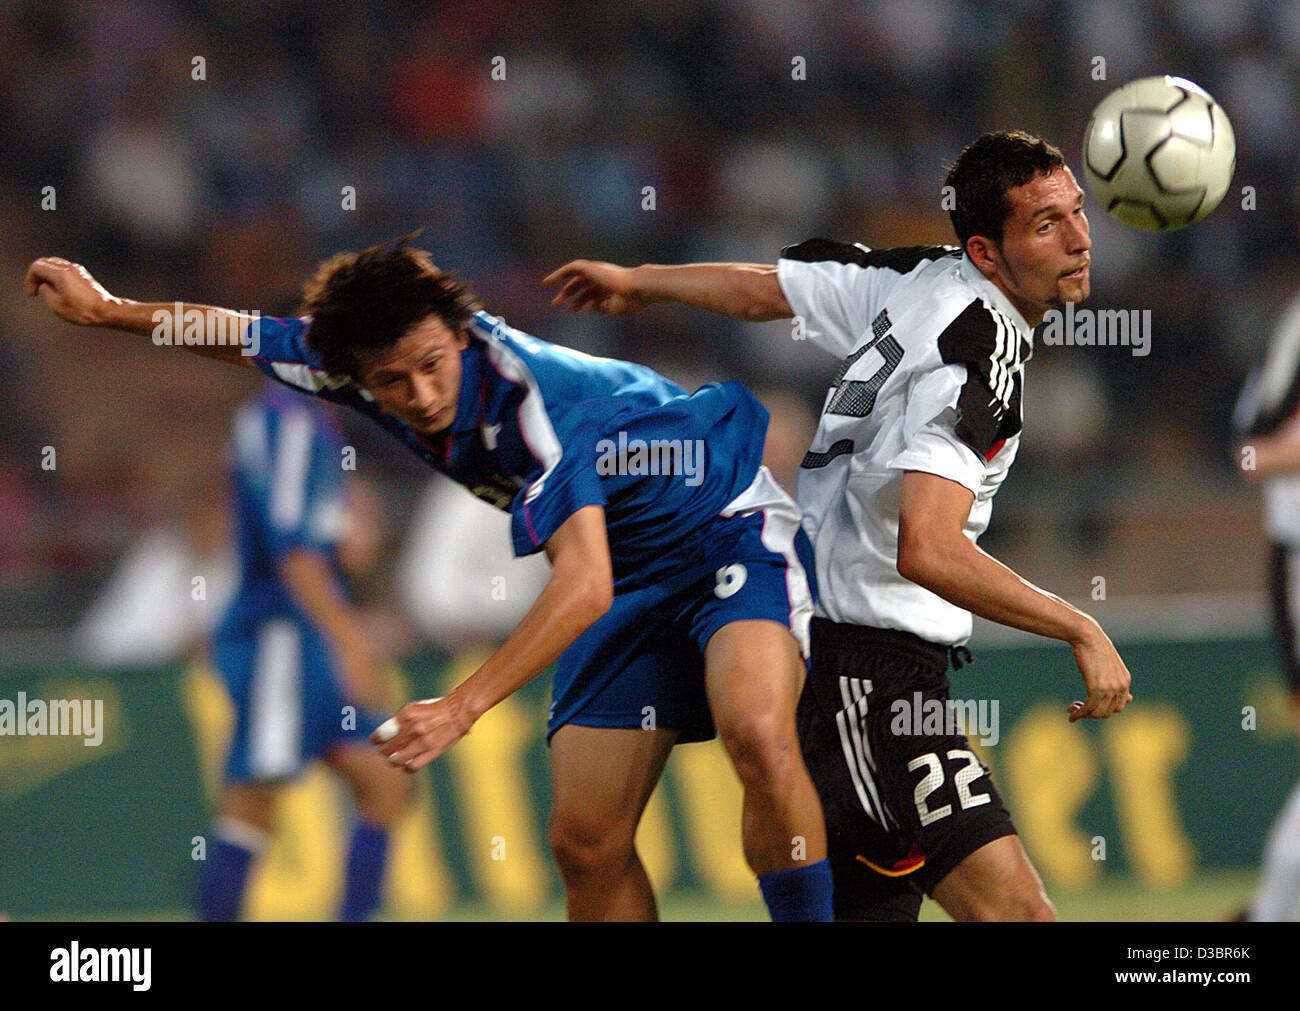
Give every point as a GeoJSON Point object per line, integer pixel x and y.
{"type": "Point", "coordinates": [287, 474]}
{"type": "Point", "coordinates": [542, 431]}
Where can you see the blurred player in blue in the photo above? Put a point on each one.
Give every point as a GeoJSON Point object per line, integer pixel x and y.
{"type": "Point", "coordinates": [680, 591]}
{"type": "Point", "coordinates": [294, 655]}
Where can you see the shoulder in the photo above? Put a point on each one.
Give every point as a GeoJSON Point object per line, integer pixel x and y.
{"type": "Point", "coordinates": [977, 331]}
{"type": "Point", "coordinates": [901, 260]}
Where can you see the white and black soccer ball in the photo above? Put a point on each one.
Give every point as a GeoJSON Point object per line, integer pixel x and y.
{"type": "Point", "coordinates": [1159, 153]}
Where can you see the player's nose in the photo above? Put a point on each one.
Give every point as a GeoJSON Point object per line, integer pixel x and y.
{"type": "Point", "coordinates": [1079, 235]}
{"type": "Point", "coordinates": [422, 394]}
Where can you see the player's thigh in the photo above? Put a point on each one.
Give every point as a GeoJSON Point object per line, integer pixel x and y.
{"type": "Point", "coordinates": [996, 882]}
{"type": "Point", "coordinates": [383, 791]}
{"type": "Point", "coordinates": [602, 778]}
{"type": "Point", "coordinates": [754, 672]}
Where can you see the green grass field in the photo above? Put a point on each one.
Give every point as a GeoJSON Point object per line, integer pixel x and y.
{"type": "Point", "coordinates": [1214, 897]}
{"type": "Point", "coordinates": [1211, 897]}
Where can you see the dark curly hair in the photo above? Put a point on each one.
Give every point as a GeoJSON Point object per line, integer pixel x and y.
{"type": "Point", "coordinates": [984, 171]}
{"type": "Point", "coordinates": [363, 303]}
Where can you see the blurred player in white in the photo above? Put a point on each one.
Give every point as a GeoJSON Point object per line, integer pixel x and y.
{"type": "Point", "coordinates": [917, 433]}
{"type": "Point", "coordinates": [1267, 417]}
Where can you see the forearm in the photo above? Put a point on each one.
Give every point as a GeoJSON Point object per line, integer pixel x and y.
{"type": "Point", "coordinates": [315, 589]}
{"type": "Point", "coordinates": [963, 574]}
{"type": "Point", "coordinates": [562, 612]}
{"type": "Point", "coordinates": [746, 291]}
{"type": "Point", "coordinates": [202, 329]}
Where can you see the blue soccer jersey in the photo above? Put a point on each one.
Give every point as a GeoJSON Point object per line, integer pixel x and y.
{"type": "Point", "coordinates": [287, 475]}
{"type": "Point", "coordinates": [542, 431]}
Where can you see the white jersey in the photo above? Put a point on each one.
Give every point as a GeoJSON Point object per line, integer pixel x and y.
{"type": "Point", "coordinates": [931, 381]}
{"type": "Point", "coordinates": [1270, 397]}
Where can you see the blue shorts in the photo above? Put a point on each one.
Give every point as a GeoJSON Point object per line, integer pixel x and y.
{"type": "Point", "coordinates": [642, 664]}
{"type": "Point", "coordinates": [290, 708]}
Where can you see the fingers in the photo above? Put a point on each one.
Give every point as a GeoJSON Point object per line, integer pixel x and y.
{"type": "Point", "coordinates": [580, 293]}
{"type": "Point", "coordinates": [568, 270]}
{"type": "Point", "coordinates": [1083, 710]}
{"type": "Point", "coordinates": [1099, 706]}
{"type": "Point", "coordinates": [46, 269]}
{"type": "Point", "coordinates": [576, 292]}
{"type": "Point", "coordinates": [416, 735]}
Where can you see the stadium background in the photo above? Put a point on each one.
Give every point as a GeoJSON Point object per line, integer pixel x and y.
{"type": "Point", "coordinates": [226, 189]}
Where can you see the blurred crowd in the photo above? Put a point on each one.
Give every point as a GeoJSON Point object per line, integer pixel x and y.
{"type": "Point", "coordinates": [212, 151]}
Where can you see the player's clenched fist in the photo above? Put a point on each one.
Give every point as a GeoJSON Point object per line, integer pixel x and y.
{"type": "Point", "coordinates": [422, 731]}
{"type": "Point", "coordinates": [69, 290]}
{"type": "Point", "coordinates": [1105, 675]}
{"type": "Point", "coordinates": [601, 287]}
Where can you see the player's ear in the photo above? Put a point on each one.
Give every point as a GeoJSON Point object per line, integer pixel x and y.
{"type": "Point", "coordinates": [462, 338]}
{"type": "Point", "coordinates": [984, 253]}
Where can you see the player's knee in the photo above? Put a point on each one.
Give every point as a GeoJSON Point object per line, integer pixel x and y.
{"type": "Point", "coordinates": [1037, 908]}
{"type": "Point", "coordinates": [763, 749]}
{"type": "Point", "coordinates": [1016, 905]}
{"type": "Point", "coordinates": [584, 847]}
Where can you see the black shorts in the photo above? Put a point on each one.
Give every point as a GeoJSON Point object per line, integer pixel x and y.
{"type": "Point", "coordinates": [905, 797]}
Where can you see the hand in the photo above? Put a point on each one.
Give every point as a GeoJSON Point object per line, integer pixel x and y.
{"type": "Point", "coordinates": [69, 290]}
{"type": "Point", "coordinates": [428, 730]}
{"type": "Point", "coordinates": [601, 287]}
{"type": "Point", "coordinates": [1104, 674]}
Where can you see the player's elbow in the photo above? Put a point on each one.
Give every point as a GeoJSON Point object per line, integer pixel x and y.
{"type": "Point", "coordinates": [591, 598]}
{"type": "Point", "coordinates": [918, 557]}
{"type": "Point", "coordinates": [763, 300]}
{"type": "Point", "coordinates": [761, 312]}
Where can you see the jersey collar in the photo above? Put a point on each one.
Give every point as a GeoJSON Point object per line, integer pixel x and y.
{"type": "Point", "coordinates": [994, 296]}
{"type": "Point", "coordinates": [469, 406]}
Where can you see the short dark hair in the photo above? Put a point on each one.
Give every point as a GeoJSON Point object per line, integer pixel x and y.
{"type": "Point", "coordinates": [364, 303]}
{"type": "Point", "coordinates": [984, 171]}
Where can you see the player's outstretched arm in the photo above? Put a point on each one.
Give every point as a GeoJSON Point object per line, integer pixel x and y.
{"type": "Point", "coordinates": [934, 553]}
{"type": "Point", "coordinates": [580, 591]}
{"type": "Point", "coordinates": [73, 295]}
{"type": "Point", "coordinates": [747, 291]}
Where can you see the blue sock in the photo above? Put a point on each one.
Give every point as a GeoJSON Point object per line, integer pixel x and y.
{"type": "Point", "coordinates": [233, 847]}
{"type": "Point", "coordinates": [367, 857]}
{"type": "Point", "coordinates": [800, 894]}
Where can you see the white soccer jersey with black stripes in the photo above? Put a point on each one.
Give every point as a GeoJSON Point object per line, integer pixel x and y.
{"type": "Point", "coordinates": [1270, 399]}
{"type": "Point", "coordinates": [933, 356]}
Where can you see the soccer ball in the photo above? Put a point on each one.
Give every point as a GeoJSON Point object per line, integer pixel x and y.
{"type": "Point", "coordinates": [1159, 153]}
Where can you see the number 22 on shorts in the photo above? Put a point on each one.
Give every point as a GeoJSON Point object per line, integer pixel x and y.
{"type": "Point", "coordinates": [933, 779]}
